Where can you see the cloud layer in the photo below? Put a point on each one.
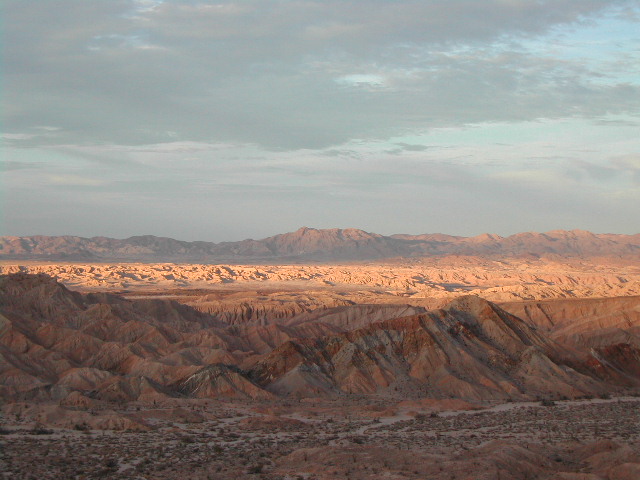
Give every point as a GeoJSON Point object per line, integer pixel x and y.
{"type": "Point", "coordinates": [308, 111]}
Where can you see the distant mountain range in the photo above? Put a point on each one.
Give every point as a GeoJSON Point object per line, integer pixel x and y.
{"type": "Point", "coordinates": [320, 245]}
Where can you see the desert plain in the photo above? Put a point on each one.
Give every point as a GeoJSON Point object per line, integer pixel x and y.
{"type": "Point", "coordinates": [455, 366]}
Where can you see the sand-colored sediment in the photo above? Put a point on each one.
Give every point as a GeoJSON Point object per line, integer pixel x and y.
{"type": "Point", "coordinates": [439, 278]}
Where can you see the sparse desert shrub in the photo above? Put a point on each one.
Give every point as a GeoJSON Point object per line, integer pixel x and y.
{"type": "Point", "coordinates": [40, 430]}
{"type": "Point", "coordinates": [546, 402]}
{"type": "Point", "coordinates": [255, 469]}
{"type": "Point", "coordinates": [218, 449]}
{"type": "Point", "coordinates": [605, 396]}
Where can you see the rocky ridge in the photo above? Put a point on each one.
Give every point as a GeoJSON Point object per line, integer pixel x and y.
{"type": "Point", "coordinates": [320, 245]}
{"type": "Point", "coordinates": [62, 345]}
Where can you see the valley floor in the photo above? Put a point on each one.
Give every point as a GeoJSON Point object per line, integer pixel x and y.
{"type": "Point", "coordinates": [315, 439]}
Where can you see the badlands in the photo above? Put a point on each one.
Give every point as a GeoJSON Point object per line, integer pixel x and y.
{"type": "Point", "coordinates": [402, 357]}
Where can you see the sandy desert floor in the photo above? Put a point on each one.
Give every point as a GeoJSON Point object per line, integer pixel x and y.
{"type": "Point", "coordinates": [357, 438]}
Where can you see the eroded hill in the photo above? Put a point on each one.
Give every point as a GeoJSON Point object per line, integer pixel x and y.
{"type": "Point", "coordinates": [447, 277]}
{"type": "Point", "coordinates": [60, 345]}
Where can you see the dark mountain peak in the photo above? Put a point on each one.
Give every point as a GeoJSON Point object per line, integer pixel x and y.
{"type": "Point", "coordinates": [142, 238]}
{"type": "Point", "coordinates": [327, 232]}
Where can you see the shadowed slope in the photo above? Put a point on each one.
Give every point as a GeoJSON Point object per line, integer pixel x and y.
{"type": "Point", "coordinates": [55, 343]}
{"type": "Point", "coordinates": [472, 349]}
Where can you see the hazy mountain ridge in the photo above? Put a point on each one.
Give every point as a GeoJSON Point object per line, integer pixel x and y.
{"type": "Point", "coordinates": [309, 244]}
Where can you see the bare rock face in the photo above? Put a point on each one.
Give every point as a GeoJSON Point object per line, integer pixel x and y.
{"type": "Point", "coordinates": [352, 317]}
{"type": "Point", "coordinates": [60, 345]}
{"type": "Point", "coordinates": [609, 328]}
{"type": "Point", "coordinates": [253, 307]}
{"type": "Point", "coordinates": [54, 341]}
{"type": "Point", "coordinates": [583, 322]}
{"type": "Point", "coordinates": [39, 296]}
{"type": "Point", "coordinates": [220, 381]}
{"type": "Point", "coordinates": [471, 350]}
{"type": "Point", "coordinates": [125, 388]}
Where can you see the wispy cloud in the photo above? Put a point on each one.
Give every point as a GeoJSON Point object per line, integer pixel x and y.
{"type": "Point", "coordinates": [75, 180]}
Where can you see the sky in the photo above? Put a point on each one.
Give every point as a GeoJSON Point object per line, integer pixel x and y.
{"type": "Point", "coordinates": [227, 120]}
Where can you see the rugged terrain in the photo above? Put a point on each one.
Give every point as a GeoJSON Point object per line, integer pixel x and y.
{"type": "Point", "coordinates": [60, 345]}
{"type": "Point", "coordinates": [310, 244]}
{"type": "Point", "coordinates": [444, 277]}
{"type": "Point", "coordinates": [395, 370]}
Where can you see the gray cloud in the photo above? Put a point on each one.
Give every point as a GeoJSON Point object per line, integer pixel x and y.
{"type": "Point", "coordinates": [268, 72]}
{"type": "Point", "coordinates": [9, 165]}
{"type": "Point", "coordinates": [225, 120]}
{"type": "Point", "coordinates": [628, 165]}
{"type": "Point", "coordinates": [227, 198]}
